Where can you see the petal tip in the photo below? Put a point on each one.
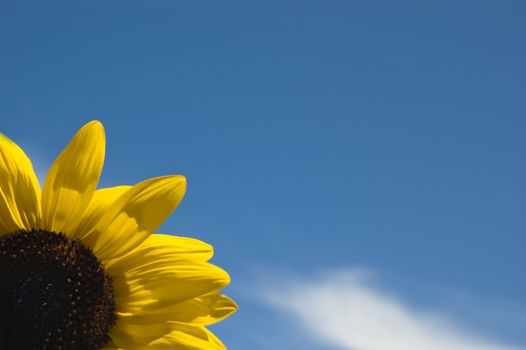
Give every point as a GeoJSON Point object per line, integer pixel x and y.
{"type": "Point", "coordinates": [95, 123]}
{"type": "Point", "coordinates": [177, 182]}
{"type": "Point", "coordinates": [94, 127]}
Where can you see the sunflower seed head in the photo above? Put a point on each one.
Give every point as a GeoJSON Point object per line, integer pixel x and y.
{"type": "Point", "coordinates": [54, 293]}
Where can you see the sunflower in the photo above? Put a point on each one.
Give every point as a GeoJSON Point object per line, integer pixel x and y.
{"type": "Point", "coordinates": [80, 267]}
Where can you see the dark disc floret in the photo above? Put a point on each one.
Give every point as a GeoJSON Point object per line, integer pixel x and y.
{"type": "Point", "coordinates": [54, 293]}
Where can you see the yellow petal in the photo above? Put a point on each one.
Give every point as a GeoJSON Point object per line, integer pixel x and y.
{"type": "Point", "coordinates": [19, 189]}
{"type": "Point", "coordinates": [202, 311]}
{"type": "Point", "coordinates": [72, 179]}
{"type": "Point", "coordinates": [162, 247]}
{"type": "Point", "coordinates": [162, 336]}
{"type": "Point", "coordinates": [187, 338]}
{"type": "Point", "coordinates": [135, 215]}
{"type": "Point", "coordinates": [205, 310]}
{"type": "Point", "coordinates": [101, 201]}
{"type": "Point", "coordinates": [156, 286]}
{"type": "Point", "coordinates": [132, 336]}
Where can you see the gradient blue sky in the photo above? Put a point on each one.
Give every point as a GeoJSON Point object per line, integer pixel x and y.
{"type": "Point", "coordinates": [316, 136]}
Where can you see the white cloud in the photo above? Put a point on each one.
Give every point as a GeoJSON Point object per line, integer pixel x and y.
{"type": "Point", "coordinates": [345, 310]}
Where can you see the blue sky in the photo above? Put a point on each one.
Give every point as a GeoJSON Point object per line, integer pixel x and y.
{"type": "Point", "coordinates": [323, 141]}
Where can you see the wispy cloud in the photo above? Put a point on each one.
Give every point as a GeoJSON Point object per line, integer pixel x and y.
{"type": "Point", "coordinates": [345, 310]}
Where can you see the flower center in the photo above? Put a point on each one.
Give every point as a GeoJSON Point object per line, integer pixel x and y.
{"type": "Point", "coordinates": [54, 293]}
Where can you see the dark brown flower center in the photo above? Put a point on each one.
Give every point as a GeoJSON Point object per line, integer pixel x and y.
{"type": "Point", "coordinates": [54, 293]}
